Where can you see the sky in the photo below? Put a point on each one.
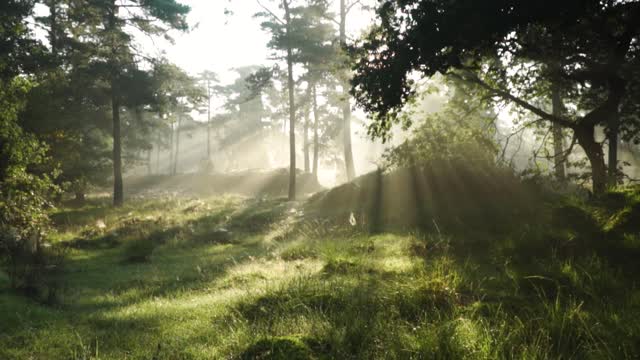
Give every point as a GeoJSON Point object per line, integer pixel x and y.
{"type": "Point", "coordinates": [220, 41]}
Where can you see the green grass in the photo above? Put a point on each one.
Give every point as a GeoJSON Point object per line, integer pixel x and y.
{"type": "Point", "coordinates": [159, 281]}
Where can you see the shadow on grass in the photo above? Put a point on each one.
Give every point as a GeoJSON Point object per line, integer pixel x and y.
{"type": "Point", "coordinates": [146, 259]}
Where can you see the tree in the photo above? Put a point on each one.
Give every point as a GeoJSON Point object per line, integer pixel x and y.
{"type": "Point", "coordinates": [177, 94]}
{"type": "Point", "coordinates": [461, 130]}
{"type": "Point", "coordinates": [25, 191]}
{"type": "Point", "coordinates": [502, 46]}
{"type": "Point", "coordinates": [281, 29]}
{"type": "Point", "coordinates": [20, 52]}
{"type": "Point", "coordinates": [243, 102]}
{"type": "Point", "coordinates": [115, 18]}
{"type": "Point", "coordinates": [318, 53]}
{"type": "Point", "coordinates": [70, 114]}
{"type": "Point", "coordinates": [208, 79]}
{"type": "Point", "coordinates": [346, 106]}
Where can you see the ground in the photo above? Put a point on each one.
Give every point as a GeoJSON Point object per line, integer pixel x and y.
{"type": "Point", "coordinates": [234, 277]}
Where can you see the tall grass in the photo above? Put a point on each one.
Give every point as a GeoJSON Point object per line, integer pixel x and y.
{"type": "Point", "coordinates": [287, 286]}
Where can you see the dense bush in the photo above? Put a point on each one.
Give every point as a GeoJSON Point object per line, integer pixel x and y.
{"type": "Point", "coordinates": [24, 194]}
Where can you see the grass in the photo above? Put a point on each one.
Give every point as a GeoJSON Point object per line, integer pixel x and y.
{"type": "Point", "coordinates": [230, 277]}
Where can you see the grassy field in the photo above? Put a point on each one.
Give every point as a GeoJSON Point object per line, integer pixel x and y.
{"type": "Point", "coordinates": [231, 277]}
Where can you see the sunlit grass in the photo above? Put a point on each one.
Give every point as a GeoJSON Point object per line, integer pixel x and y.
{"type": "Point", "coordinates": [280, 281]}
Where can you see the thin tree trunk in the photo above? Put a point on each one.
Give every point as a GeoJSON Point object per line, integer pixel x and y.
{"type": "Point", "coordinates": [558, 139]}
{"type": "Point", "coordinates": [172, 135]}
{"type": "Point", "coordinates": [348, 152]}
{"type": "Point", "coordinates": [307, 167]}
{"type": "Point", "coordinates": [315, 131]}
{"type": "Point", "coordinates": [149, 161]}
{"type": "Point", "coordinates": [613, 151]}
{"type": "Point", "coordinates": [80, 196]}
{"type": "Point", "coordinates": [118, 191]}
{"type": "Point", "coordinates": [346, 106]}
{"type": "Point", "coordinates": [292, 107]}
{"type": "Point", "coordinates": [158, 156]}
{"type": "Point", "coordinates": [208, 122]}
{"type": "Point", "coordinates": [53, 32]}
{"type": "Point", "coordinates": [175, 160]}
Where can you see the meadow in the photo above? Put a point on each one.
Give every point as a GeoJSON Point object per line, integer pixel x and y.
{"type": "Point", "coordinates": [230, 277]}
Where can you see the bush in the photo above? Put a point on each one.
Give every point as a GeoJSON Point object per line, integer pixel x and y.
{"type": "Point", "coordinates": [24, 195]}
{"type": "Point", "coordinates": [33, 267]}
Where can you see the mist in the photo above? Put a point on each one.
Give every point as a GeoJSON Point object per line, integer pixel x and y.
{"type": "Point", "coordinates": [318, 179]}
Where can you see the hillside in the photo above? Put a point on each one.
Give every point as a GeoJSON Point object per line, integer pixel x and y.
{"type": "Point", "coordinates": [235, 277]}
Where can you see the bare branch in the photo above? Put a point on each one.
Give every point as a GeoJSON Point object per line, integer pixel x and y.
{"type": "Point", "coordinates": [275, 17]}
{"type": "Point", "coordinates": [350, 6]}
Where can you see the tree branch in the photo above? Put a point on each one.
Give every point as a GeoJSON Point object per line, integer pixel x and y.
{"type": "Point", "coordinates": [350, 6]}
{"type": "Point", "coordinates": [275, 17]}
{"type": "Point", "coordinates": [518, 101]}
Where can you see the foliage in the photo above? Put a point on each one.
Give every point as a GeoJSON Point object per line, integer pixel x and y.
{"type": "Point", "coordinates": [20, 52]}
{"type": "Point", "coordinates": [24, 191]}
{"type": "Point", "coordinates": [516, 51]}
{"type": "Point", "coordinates": [459, 132]}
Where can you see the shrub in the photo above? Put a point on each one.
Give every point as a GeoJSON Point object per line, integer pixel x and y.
{"type": "Point", "coordinates": [24, 195]}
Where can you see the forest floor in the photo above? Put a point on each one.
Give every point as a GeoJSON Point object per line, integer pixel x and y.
{"type": "Point", "coordinates": [233, 277]}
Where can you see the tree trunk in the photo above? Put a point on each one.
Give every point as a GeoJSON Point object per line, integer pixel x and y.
{"type": "Point", "coordinates": [617, 91]}
{"type": "Point", "coordinates": [307, 165]}
{"type": "Point", "coordinates": [175, 159]}
{"type": "Point", "coordinates": [346, 106]}
{"type": "Point", "coordinates": [80, 196]}
{"type": "Point", "coordinates": [593, 150]}
{"type": "Point", "coordinates": [292, 107]}
{"type": "Point", "coordinates": [118, 191]}
{"type": "Point", "coordinates": [559, 157]}
{"type": "Point", "coordinates": [53, 32]}
{"type": "Point", "coordinates": [613, 151]}
{"type": "Point", "coordinates": [315, 131]}
{"type": "Point", "coordinates": [149, 161]}
{"type": "Point", "coordinates": [208, 122]}
{"type": "Point", "coordinates": [348, 152]}
{"type": "Point", "coordinates": [158, 156]}
{"type": "Point", "coordinates": [172, 134]}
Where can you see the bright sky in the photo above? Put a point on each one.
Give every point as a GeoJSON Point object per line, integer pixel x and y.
{"type": "Point", "coordinates": [220, 42]}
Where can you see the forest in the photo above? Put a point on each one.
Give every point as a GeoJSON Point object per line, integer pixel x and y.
{"type": "Point", "coordinates": [319, 179]}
